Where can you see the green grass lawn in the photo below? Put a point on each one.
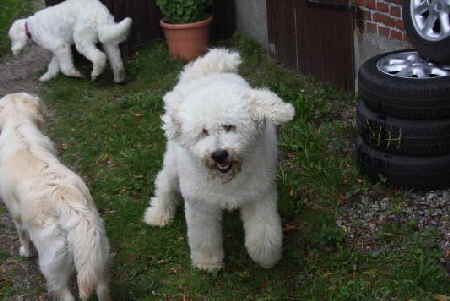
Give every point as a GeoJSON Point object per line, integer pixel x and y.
{"type": "Point", "coordinates": [9, 11]}
{"type": "Point", "coordinates": [110, 134]}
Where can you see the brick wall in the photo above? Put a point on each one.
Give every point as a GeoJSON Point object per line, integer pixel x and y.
{"type": "Point", "coordinates": [383, 17]}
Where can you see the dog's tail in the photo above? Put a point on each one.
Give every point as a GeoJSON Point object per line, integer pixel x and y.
{"type": "Point", "coordinates": [115, 33]}
{"type": "Point", "coordinates": [87, 241]}
{"type": "Point", "coordinates": [215, 61]}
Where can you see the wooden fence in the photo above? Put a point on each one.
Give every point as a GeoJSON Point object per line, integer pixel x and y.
{"type": "Point", "coordinates": [314, 37]}
{"type": "Point", "coordinates": [146, 16]}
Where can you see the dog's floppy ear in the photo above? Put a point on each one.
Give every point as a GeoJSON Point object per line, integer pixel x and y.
{"type": "Point", "coordinates": [265, 104]}
{"type": "Point", "coordinates": [171, 122]}
{"type": "Point", "coordinates": [18, 36]}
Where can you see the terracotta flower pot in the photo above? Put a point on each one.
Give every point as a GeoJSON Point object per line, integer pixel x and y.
{"type": "Point", "coordinates": [187, 41]}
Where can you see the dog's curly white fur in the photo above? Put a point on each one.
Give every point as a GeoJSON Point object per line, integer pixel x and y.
{"type": "Point", "coordinates": [221, 153]}
{"type": "Point", "coordinates": [49, 204]}
{"type": "Point", "coordinates": [83, 22]}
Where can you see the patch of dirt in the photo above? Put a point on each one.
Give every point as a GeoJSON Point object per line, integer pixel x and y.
{"type": "Point", "coordinates": [20, 273]}
{"type": "Point", "coordinates": [20, 74]}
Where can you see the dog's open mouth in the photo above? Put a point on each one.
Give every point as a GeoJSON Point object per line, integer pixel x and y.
{"type": "Point", "coordinates": [224, 167]}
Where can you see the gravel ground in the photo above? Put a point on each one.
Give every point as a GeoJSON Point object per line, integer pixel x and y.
{"type": "Point", "coordinates": [365, 214]}
{"type": "Point", "coordinates": [363, 217]}
{"type": "Point", "coordinates": [21, 73]}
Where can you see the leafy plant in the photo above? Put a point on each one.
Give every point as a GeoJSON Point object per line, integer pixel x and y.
{"type": "Point", "coordinates": [184, 11]}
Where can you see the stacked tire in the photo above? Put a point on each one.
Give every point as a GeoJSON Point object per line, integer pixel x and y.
{"type": "Point", "coordinates": [403, 115]}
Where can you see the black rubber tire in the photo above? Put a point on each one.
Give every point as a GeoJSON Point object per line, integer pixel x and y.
{"type": "Point", "coordinates": [406, 137]}
{"type": "Point", "coordinates": [404, 171]}
{"type": "Point", "coordinates": [403, 98]}
{"type": "Point", "coordinates": [436, 51]}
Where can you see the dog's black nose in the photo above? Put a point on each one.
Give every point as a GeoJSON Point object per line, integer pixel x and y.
{"type": "Point", "coordinates": [220, 156]}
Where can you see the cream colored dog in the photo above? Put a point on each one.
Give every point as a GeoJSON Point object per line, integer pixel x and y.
{"type": "Point", "coordinates": [50, 205]}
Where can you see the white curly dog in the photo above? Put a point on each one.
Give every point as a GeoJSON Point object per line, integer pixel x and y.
{"type": "Point", "coordinates": [221, 153]}
{"type": "Point", "coordinates": [83, 22]}
{"type": "Point", "coordinates": [49, 204]}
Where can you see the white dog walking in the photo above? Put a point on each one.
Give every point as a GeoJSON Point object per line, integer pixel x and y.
{"type": "Point", "coordinates": [83, 22]}
{"type": "Point", "coordinates": [221, 153]}
{"type": "Point", "coordinates": [49, 204]}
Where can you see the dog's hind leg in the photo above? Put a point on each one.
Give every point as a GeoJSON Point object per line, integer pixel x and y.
{"type": "Point", "coordinates": [55, 260]}
{"type": "Point", "coordinates": [204, 225]}
{"type": "Point", "coordinates": [97, 57]}
{"type": "Point", "coordinates": [163, 204]}
{"type": "Point", "coordinates": [103, 291]}
{"type": "Point", "coordinates": [25, 249]}
{"type": "Point", "coordinates": [263, 233]}
{"type": "Point", "coordinates": [63, 54]}
{"type": "Point", "coordinates": [53, 70]}
{"type": "Point", "coordinates": [113, 53]}
{"type": "Point", "coordinates": [85, 40]}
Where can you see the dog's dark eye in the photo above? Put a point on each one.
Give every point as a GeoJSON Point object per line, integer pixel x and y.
{"type": "Point", "coordinates": [229, 127]}
{"type": "Point", "coordinates": [205, 132]}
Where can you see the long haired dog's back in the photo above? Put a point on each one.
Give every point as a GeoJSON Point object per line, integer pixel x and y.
{"type": "Point", "coordinates": [50, 205]}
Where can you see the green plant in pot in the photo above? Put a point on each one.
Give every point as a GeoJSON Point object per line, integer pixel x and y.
{"type": "Point", "coordinates": [186, 26]}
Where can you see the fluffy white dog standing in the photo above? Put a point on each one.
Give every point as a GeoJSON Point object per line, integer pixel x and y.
{"type": "Point", "coordinates": [49, 204]}
{"type": "Point", "coordinates": [221, 153]}
{"type": "Point", "coordinates": [83, 22]}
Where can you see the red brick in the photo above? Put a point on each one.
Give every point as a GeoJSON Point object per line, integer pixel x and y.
{"type": "Point", "coordinates": [396, 11]}
{"type": "Point", "coordinates": [381, 6]}
{"type": "Point", "coordinates": [396, 35]}
{"type": "Point", "coordinates": [384, 31]}
{"type": "Point", "coordinates": [378, 17]}
{"type": "Point", "coordinates": [371, 4]}
{"type": "Point", "coordinates": [371, 27]}
{"type": "Point", "coordinates": [360, 2]}
{"type": "Point", "coordinates": [399, 24]}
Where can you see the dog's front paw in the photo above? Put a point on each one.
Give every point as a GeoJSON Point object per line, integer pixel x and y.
{"type": "Point", "coordinates": [210, 261]}
{"type": "Point", "coordinates": [265, 253]}
{"type": "Point", "coordinates": [45, 78]}
{"type": "Point", "coordinates": [99, 66]}
{"type": "Point", "coordinates": [25, 251]}
{"type": "Point", "coordinates": [73, 73]}
{"type": "Point", "coordinates": [119, 77]}
{"type": "Point", "coordinates": [210, 267]}
{"type": "Point", "coordinates": [76, 73]}
{"type": "Point", "coordinates": [157, 217]}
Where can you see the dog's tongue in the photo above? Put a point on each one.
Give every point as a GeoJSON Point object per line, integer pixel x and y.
{"type": "Point", "coordinates": [223, 168]}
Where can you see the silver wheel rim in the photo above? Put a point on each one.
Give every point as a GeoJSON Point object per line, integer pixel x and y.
{"type": "Point", "coordinates": [410, 65]}
{"type": "Point", "coordinates": [431, 18]}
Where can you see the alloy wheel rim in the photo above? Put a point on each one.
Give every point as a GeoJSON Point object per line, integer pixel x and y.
{"type": "Point", "coordinates": [431, 18]}
{"type": "Point", "coordinates": [410, 65]}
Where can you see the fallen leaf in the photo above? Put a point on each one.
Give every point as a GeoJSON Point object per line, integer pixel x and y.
{"type": "Point", "coordinates": [290, 228]}
{"type": "Point", "coordinates": [441, 298]}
